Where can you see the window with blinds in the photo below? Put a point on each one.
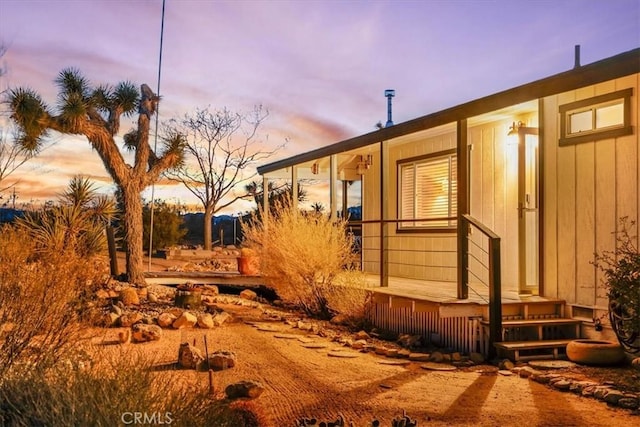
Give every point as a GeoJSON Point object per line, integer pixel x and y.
{"type": "Point", "coordinates": [427, 190]}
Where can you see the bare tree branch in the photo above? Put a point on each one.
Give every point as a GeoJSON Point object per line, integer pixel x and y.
{"type": "Point", "coordinates": [221, 147]}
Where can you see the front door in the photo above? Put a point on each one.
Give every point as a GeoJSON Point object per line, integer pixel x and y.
{"type": "Point", "coordinates": [528, 210]}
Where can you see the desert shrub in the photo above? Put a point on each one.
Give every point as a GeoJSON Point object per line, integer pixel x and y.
{"type": "Point", "coordinates": [306, 258]}
{"type": "Point", "coordinates": [621, 269]}
{"type": "Point", "coordinates": [41, 300]}
{"type": "Point", "coordinates": [110, 394]}
{"type": "Point", "coordinates": [77, 223]}
{"type": "Point", "coordinates": [168, 225]}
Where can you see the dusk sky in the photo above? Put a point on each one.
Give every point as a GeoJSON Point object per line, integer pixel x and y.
{"type": "Point", "coordinates": [319, 67]}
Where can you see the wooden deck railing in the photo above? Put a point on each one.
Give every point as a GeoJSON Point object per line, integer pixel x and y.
{"type": "Point", "coordinates": [492, 278]}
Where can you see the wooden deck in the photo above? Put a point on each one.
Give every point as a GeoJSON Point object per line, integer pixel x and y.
{"type": "Point", "coordinates": [442, 292]}
{"type": "Point", "coordinates": [202, 277]}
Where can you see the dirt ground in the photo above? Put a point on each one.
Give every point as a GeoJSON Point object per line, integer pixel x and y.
{"type": "Point", "coordinates": [304, 382]}
{"type": "Point", "coordinates": [308, 382]}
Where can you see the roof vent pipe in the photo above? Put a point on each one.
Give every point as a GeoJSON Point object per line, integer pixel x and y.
{"type": "Point", "coordinates": [577, 56]}
{"type": "Point", "coordinates": [389, 93]}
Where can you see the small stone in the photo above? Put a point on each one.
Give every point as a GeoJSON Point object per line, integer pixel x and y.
{"type": "Point", "coordinates": [361, 335]}
{"type": "Point", "coordinates": [129, 296]}
{"type": "Point", "coordinates": [124, 336]}
{"type": "Point", "coordinates": [221, 318]}
{"type": "Point", "coordinates": [635, 363]}
{"type": "Point", "coordinates": [579, 386]}
{"type": "Point", "coordinates": [562, 385]}
{"type": "Point", "coordinates": [380, 350]}
{"type": "Point", "coordinates": [176, 311]}
{"type": "Point", "coordinates": [526, 372]}
{"type": "Point", "coordinates": [419, 357]}
{"type": "Point", "coordinates": [404, 354]}
{"type": "Point", "coordinates": [456, 357]}
{"type": "Point", "coordinates": [249, 389]}
{"type": "Point", "coordinates": [339, 319]}
{"type": "Point", "coordinates": [211, 290]}
{"type": "Point", "coordinates": [392, 352]}
{"type": "Point", "coordinates": [152, 297]}
{"type": "Point", "coordinates": [476, 358]}
{"type": "Point", "coordinates": [588, 391]}
{"type": "Point", "coordinates": [409, 341]}
{"type": "Point", "coordinates": [600, 392]}
{"type": "Point", "coordinates": [613, 397]}
{"type": "Point", "coordinates": [358, 345]}
{"type": "Point", "coordinates": [437, 367]}
{"type": "Point", "coordinates": [143, 333]}
{"type": "Point", "coordinates": [436, 357]}
{"type": "Point", "coordinates": [115, 309]}
{"type": "Point", "coordinates": [187, 320]}
{"type": "Point", "coordinates": [110, 319]}
{"type": "Point", "coordinates": [221, 360]}
{"type": "Point", "coordinates": [129, 319]}
{"type": "Point", "coordinates": [102, 294]}
{"type": "Point", "coordinates": [205, 321]}
{"type": "Point", "coordinates": [630, 402]}
{"type": "Point", "coordinates": [506, 364]}
{"type": "Point", "coordinates": [189, 357]}
{"type": "Point", "coordinates": [505, 373]}
{"type": "Point", "coordinates": [165, 320]}
{"type": "Point", "coordinates": [248, 294]}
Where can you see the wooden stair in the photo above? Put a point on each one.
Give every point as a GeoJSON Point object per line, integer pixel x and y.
{"type": "Point", "coordinates": [533, 330]}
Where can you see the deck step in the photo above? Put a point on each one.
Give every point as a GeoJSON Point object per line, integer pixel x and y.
{"type": "Point", "coordinates": [535, 349]}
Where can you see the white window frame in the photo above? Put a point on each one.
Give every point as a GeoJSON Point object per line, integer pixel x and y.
{"type": "Point", "coordinates": [409, 169]}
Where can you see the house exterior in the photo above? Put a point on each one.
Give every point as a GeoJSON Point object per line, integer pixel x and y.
{"type": "Point", "coordinates": [486, 215]}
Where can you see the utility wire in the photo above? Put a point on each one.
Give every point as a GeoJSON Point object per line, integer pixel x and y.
{"type": "Point", "coordinates": [155, 139]}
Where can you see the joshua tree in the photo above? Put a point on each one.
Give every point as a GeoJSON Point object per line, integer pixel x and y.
{"type": "Point", "coordinates": [12, 155]}
{"type": "Point", "coordinates": [95, 112]}
{"type": "Point", "coordinates": [222, 146]}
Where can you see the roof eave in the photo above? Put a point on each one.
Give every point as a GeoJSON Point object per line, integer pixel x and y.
{"type": "Point", "coordinates": [621, 65]}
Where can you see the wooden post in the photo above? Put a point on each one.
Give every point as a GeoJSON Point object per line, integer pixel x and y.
{"type": "Point", "coordinates": [495, 297]}
{"type": "Point", "coordinates": [462, 209]}
{"type": "Point", "coordinates": [113, 255]}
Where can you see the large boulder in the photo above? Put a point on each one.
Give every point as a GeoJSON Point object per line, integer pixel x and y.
{"type": "Point", "coordinates": [248, 294]}
{"type": "Point", "coordinates": [205, 321]}
{"type": "Point", "coordinates": [142, 332]}
{"type": "Point", "coordinates": [221, 318]}
{"type": "Point", "coordinates": [250, 389]}
{"type": "Point", "coordinates": [165, 320]}
{"type": "Point", "coordinates": [129, 319]}
{"type": "Point", "coordinates": [221, 360]}
{"type": "Point", "coordinates": [189, 357]}
{"type": "Point", "coordinates": [129, 296]}
{"type": "Point", "coordinates": [186, 320]}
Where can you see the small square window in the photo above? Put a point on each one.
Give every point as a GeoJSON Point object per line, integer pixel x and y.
{"type": "Point", "coordinates": [600, 117]}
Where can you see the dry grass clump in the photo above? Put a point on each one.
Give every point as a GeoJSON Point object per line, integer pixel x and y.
{"type": "Point", "coordinates": [123, 388]}
{"type": "Point", "coordinates": [41, 300]}
{"type": "Point", "coordinates": [308, 259]}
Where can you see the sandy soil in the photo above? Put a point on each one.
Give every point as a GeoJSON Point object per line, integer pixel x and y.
{"type": "Point", "coordinates": [303, 382]}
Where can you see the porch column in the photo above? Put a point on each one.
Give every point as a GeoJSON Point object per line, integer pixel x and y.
{"type": "Point", "coordinates": [333, 181]}
{"type": "Point", "coordinates": [384, 202]}
{"type": "Point", "coordinates": [462, 152]}
{"type": "Point", "coordinates": [294, 188]}
{"type": "Point", "coordinates": [345, 199]}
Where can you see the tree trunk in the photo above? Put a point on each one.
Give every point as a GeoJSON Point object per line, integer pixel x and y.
{"type": "Point", "coordinates": [208, 215]}
{"type": "Point", "coordinates": [132, 219]}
